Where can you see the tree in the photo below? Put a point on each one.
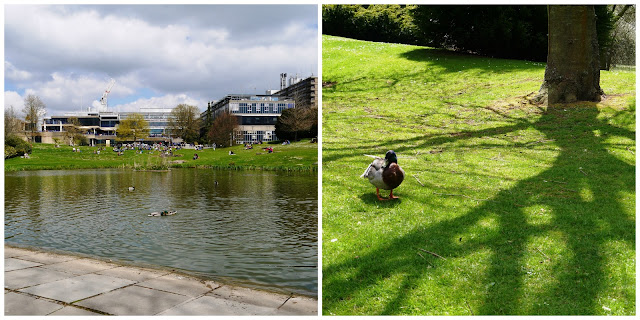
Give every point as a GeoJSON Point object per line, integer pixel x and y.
{"type": "Point", "coordinates": [222, 129]}
{"type": "Point", "coordinates": [505, 31]}
{"type": "Point", "coordinates": [184, 122]}
{"type": "Point", "coordinates": [623, 37]}
{"type": "Point", "coordinates": [573, 63]}
{"type": "Point", "coordinates": [72, 132]}
{"type": "Point", "coordinates": [297, 121]}
{"type": "Point", "coordinates": [133, 127]}
{"type": "Point", "coordinates": [12, 124]}
{"type": "Point", "coordinates": [34, 110]}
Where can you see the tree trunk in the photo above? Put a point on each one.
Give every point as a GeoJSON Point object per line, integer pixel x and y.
{"type": "Point", "coordinates": [573, 63]}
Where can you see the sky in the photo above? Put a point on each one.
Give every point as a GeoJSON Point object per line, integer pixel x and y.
{"type": "Point", "coordinates": [159, 55]}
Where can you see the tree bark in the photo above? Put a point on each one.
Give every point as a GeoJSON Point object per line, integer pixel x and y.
{"type": "Point", "coordinates": [573, 63]}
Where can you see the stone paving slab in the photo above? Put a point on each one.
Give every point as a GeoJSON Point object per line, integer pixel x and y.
{"type": "Point", "coordinates": [217, 306]}
{"type": "Point", "coordinates": [73, 311]}
{"type": "Point", "coordinates": [11, 264]}
{"type": "Point", "coordinates": [178, 284]}
{"type": "Point", "coordinates": [23, 305]}
{"type": "Point", "coordinates": [10, 252]}
{"type": "Point", "coordinates": [47, 258]}
{"type": "Point", "coordinates": [134, 274]}
{"type": "Point", "coordinates": [32, 276]}
{"type": "Point", "coordinates": [300, 306]}
{"type": "Point", "coordinates": [248, 296]}
{"type": "Point", "coordinates": [134, 300]}
{"type": "Point", "coordinates": [76, 288]}
{"type": "Point", "coordinates": [81, 266]}
{"type": "Point", "coordinates": [44, 283]}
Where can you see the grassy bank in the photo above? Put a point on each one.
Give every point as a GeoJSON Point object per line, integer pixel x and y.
{"type": "Point", "coordinates": [297, 156]}
{"type": "Point", "coordinates": [507, 207]}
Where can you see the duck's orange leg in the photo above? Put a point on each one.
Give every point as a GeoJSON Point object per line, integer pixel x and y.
{"type": "Point", "coordinates": [391, 196]}
{"type": "Point", "coordinates": [378, 195]}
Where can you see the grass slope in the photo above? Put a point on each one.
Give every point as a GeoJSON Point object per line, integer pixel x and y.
{"type": "Point", "coordinates": [527, 209]}
{"type": "Point", "coordinates": [297, 156]}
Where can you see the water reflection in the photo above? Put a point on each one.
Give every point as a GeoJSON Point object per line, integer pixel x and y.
{"type": "Point", "coordinates": [258, 228]}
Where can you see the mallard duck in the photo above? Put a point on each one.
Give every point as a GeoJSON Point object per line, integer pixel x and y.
{"type": "Point", "coordinates": [385, 174]}
{"type": "Point", "coordinates": [162, 214]}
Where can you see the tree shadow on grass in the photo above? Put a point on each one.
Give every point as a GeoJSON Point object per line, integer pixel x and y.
{"type": "Point", "coordinates": [453, 61]}
{"type": "Point", "coordinates": [581, 195]}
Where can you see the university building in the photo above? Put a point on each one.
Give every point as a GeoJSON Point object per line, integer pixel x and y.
{"type": "Point", "coordinates": [257, 115]}
{"type": "Point", "coordinates": [99, 127]}
{"type": "Point", "coordinates": [304, 92]}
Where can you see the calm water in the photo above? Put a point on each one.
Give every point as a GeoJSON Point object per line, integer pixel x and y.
{"type": "Point", "coordinates": [255, 228]}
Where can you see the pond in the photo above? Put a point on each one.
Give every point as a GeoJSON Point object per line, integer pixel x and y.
{"type": "Point", "coordinates": [252, 228]}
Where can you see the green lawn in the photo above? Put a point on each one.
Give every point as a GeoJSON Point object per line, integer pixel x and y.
{"type": "Point", "coordinates": [297, 156]}
{"type": "Point", "coordinates": [527, 209]}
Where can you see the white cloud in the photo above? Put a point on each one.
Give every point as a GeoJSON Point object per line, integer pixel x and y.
{"type": "Point", "coordinates": [13, 99]}
{"type": "Point", "coordinates": [166, 102]}
{"type": "Point", "coordinates": [13, 73]}
{"type": "Point", "coordinates": [66, 54]}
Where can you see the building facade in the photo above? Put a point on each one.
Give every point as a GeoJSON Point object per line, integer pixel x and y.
{"type": "Point", "coordinates": [100, 127]}
{"type": "Point", "coordinates": [304, 92]}
{"type": "Point", "coordinates": [257, 115]}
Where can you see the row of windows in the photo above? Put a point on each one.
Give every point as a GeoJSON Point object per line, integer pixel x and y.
{"type": "Point", "coordinates": [253, 108]}
{"type": "Point", "coordinates": [244, 104]}
{"type": "Point", "coordinates": [109, 124]}
{"type": "Point", "coordinates": [255, 136]}
{"type": "Point", "coordinates": [258, 120]}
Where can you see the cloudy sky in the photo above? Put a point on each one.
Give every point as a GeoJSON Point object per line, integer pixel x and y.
{"type": "Point", "coordinates": [159, 55]}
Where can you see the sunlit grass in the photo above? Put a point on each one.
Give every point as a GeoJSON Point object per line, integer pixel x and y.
{"type": "Point", "coordinates": [530, 209]}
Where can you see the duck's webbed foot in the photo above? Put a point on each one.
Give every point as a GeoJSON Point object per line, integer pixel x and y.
{"type": "Point", "coordinates": [378, 195]}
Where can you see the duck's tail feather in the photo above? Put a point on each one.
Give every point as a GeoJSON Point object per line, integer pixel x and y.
{"type": "Point", "coordinates": [366, 172]}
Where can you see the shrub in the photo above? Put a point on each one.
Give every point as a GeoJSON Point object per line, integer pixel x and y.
{"type": "Point", "coordinates": [9, 152]}
{"type": "Point", "coordinates": [17, 145]}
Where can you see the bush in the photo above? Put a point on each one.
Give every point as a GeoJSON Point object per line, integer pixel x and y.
{"type": "Point", "coordinates": [14, 146]}
{"type": "Point", "coordinates": [381, 23]}
{"type": "Point", "coordinates": [9, 152]}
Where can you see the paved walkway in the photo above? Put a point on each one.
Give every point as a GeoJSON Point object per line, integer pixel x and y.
{"type": "Point", "coordinates": [42, 283]}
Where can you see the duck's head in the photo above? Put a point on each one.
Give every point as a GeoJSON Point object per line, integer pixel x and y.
{"type": "Point", "coordinates": [391, 157]}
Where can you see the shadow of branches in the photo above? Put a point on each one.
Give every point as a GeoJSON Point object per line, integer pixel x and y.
{"type": "Point", "coordinates": [585, 224]}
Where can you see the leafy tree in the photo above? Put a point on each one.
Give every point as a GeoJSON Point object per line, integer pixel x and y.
{"type": "Point", "coordinates": [297, 122]}
{"type": "Point", "coordinates": [184, 122]}
{"type": "Point", "coordinates": [34, 109]}
{"type": "Point", "coordinates": [72, 132]}
{"type": "Point", "coordinates": [132, 128]}
{"type": "Point", "coordinates": [621, 50]}
{"type": "Point", "coordinates": [383, 23]}
{"type": "Point", "coordinates": [517, 32]}
{"type": "Point", "coordinates": [222, 128]}
{"type": "Point", "coordinates": [573, 64]}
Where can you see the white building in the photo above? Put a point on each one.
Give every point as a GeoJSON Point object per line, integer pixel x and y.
{"type": "Point", "coordinates": [99, 127]}
{"type": "Point", "coordinates": [257, 115]}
